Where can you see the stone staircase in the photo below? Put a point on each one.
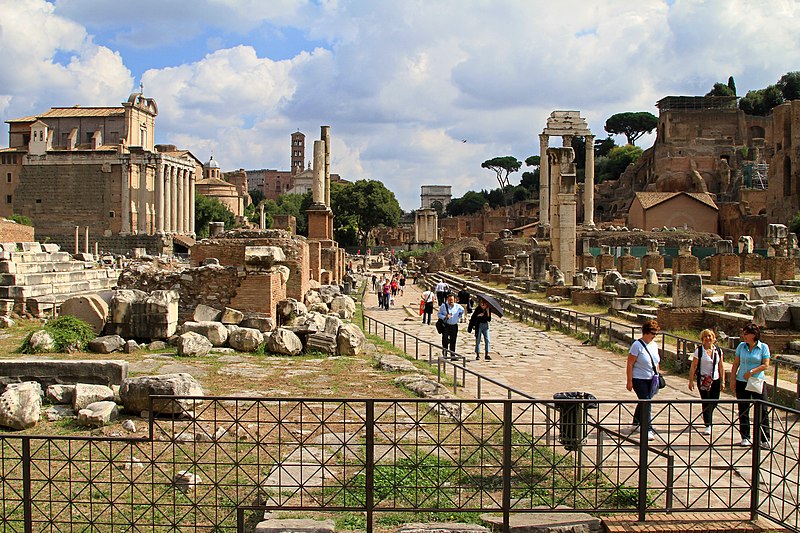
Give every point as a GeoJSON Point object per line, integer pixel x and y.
{"type": "Point", "coordinates": [789, 285]}
{"type": "Point", "coordinates": [36, 278]}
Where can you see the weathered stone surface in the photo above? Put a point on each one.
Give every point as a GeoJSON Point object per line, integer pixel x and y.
{"type": "Point", "coordinates": [422, 386]}
{"type": "Point", "coordinates": [60, 394]}
{"type": "Point", "coordinates": [231, 316]}
{"type": "Point", "coordinates": [216, 332]}
{"type": "Point", "coordinates": [246, 339]}
{"type": "Point", "coordinates": [135, 393]}
{"type": "Point", "coordinates": [129, 425]}
{"type": "Point", "coordinates": [687, 291]}
{"type": "Point", "coordinates": [295, 525]}
{"type": "Point", "coordinates": [767, 293]}
{"type": "Point", "coordinates": [548, 522]}
{"type": "Point", "coordinates": [284, 341]}
{"type": "Point", "coordinates": [626, 288]}
{"type": "Point", "coordinates": [610, 279]}
{"type": "Point", "coordinates": [21, 405]}
{"type": "Point", "coordinates": [321, 342]}
{"type": "Point", "coordinates": [185, 481]}
{"type": "Point", "coordinates": [312, 297]}
{"type": "Point", "coordinates": [157, 345]}
{"type": "Point", "coordinates": [106, 344]}
{"type": "Point", "coordinates": [264, 323]}
{"type": "Point", "coordinates": [350, 340]}
{"type": "Point", "coordinates": [308, 323]}
{"type": "Point", "coordinates": [773, 315]}
{"type": "Point", "coordinates": [192, 344]}
{"type": "Point", "coordinates": [589, 280]}
{"type": "Point", "coordinates": [42, 341]}
{"type": "Point", "coordinates": [289, 309]}
{"type": "Point", "coordinates": [54, 413]}
{"type": "Point", "coordinates": [332, 324]}
{"type": "Point", "coordinates": [6, 322]}
{"type": "Point", "coordinates": [328, 292]}
{"type": "Point", "coordinates": [85, 394]}
{"type": "Point", "coordinates": [344, 306]}
{"type": "Point", "coordinates": [92, 309]}
{"type": "Point", "coordinates": [263, 257]}
{"type": "Point", "coordinates": [98, 414]}
{"type": "Point", "coordinates": [50, 372]}
{"type": "Point", "coordinates": [395, 363]}
{"type": "Point", "coordinates": [134, 313]}
{"type": "Point", "coordinates": [206, 313]}
{"type": "Point", "coordinates": [447, 527]}
{"type": "Point", "coordinates": [318, 307]}
{"type": "Point", "coordinates": [131, 346]}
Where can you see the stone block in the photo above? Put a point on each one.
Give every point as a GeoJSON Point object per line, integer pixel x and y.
{"type": "Point", "coordinates": [21, 405]}
{"type": "Point", "coordinates": [626, 288]}
{"type": "Point", "coordinates": [685, 264]}
{"type": "Point", "coordinates": [87, 258]}
{"type": "Point", "coordinates": [206, 313]}
{"type": "Point", "coordinates": [61, 394]}
{"type": "Point", "coordinates": [106, 344]}
{"type": "Point", "coordinates": [50, 372]}
{"type": "Point", "coordinates": [51, 247]}
{"type": "Point", "coordinates": [193, 344]}
{"type": "Point", "coordinates": [86, 394]}
{"type": "Point", "coordinates": [296, 525]}
{"type": "Point", "coordinates": [728, 297]}
{"type": "Point", "coordinates": [98, 414]}
{"type": "Point", "coordinates": [656, 262]}
{"type": "Point", "coordinates": [216, 332]}
{"type": "Point", "coordinates": [773, 315]}
{"type": "Point", "coordinates": [622, 304]}
{"type": "Point", "coordinates": [231, 316]}
{"type": "Point", "coordinates": [135, 393]}
{"type": "Point", "coordinates": [92, 309]}
{"type": "Point", "coordinates": [767, 293]}
{"type": "Point", "coordinates": [245, 339]}
{"type": "Point", "coordinates": [687, 291]}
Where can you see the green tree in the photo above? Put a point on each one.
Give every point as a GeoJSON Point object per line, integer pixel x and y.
{"type": "Point", "coordinates": [530, 180]}
{"type": "Point", "coordinates": [290, 204]}
{"type": "Point", "coordinates": [761, 101]}
{"type": "Point", "coordinates": [720, 89]}
{"type": "Point", "coordinates": [603, 146]}
{"type": "Point", "coordinates": [732, 85]}
{"type": "Point", "coordinates": [612, 166]}
{"type": "Point", "coordinates": [502, 166]}
{"type": "Point", "coordinates": [470, 203]}
{"type": "Point", "coordinates": [789, 84]}
{"type": "Point", "coordinates": [631, 125]}
{"type": "Point", "coordinates": [210, 210]}
{"type": "Point", "coordinates": [256, 195]}
{"type": "Point", "coordinates": [364, 205]}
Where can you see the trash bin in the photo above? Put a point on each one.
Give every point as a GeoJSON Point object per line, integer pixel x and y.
{"type": "Point", "coordinates": [572, 425]}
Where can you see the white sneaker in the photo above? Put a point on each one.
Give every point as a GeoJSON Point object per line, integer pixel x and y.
{"type": "Point", "coordinates": [765, 445]}
{"type": "Point", "coordinates": [707, 431]}
{"type": "Point", "coordinates": [745, 443]}
{"type": "Point", "coordinates": [651, 435]}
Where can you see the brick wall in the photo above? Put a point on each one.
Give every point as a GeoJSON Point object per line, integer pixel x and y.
{"type": "Point", "coordinates": [13, 232]}
{"type": "Point", "coordinates": [259, 292]}
{"type": "Point", "coordinates": [672, 319]}
{"type": "Point", "coordinates": [685, 264]}
{"type": "Point", "coordinates": [723, 266]}
{"type": "Point", "coordinates": [627, 263]}
{"type": "Point", "coordinates": [778, 269]}
{"type": "Point", "coordinates": [604, 262]}
{"type": "Point", "coordinates": [656, 262]}
{"type": "Point", "coordinates": [751, 262]}
{"type": "Point", "coordinates": [586, 297]}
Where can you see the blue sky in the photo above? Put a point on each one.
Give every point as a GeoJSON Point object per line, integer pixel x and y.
{"type": "Point", "coordinates": [400, 83]}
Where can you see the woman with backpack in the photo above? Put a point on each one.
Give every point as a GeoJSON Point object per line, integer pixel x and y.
{"type": "Point", "coordinates": [708, 371]}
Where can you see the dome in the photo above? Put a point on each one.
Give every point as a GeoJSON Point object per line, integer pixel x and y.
{"type": "Point", "coordinates": [211, 163]}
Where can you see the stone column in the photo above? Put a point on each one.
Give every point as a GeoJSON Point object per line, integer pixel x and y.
{"type": "Point", "coordinates": [167, 198]}
{"type": "Point", "coordinates": [544, 182]}
{"type": "Point", "coordinates": [174, 213]}
{"type": "Point", "coordinates": [588, 184]}
{"type": "Point", "coordinates": [77, 239]}
{"type": "Point", "coordinates": [326, 137]}
{"type": "Point", "coordinates": [86, 239]}
{"type": "Point", "coordinates": [192, 198]}
{"type": "Point", "coordinates": [125, 186]}
{"type": "Point", "coordinates": [262, 221]}
{"type": "Point", "coordinates": [160, 199]}
{"type": "Point", "coordinates": [181, 202]}
{"type": "Point", "coordinates": [318, 183]}
{"type": "Point", "coordinates": [141, 221]}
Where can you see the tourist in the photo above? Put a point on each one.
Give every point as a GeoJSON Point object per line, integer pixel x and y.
{"type": "Point", "coordinates": [709, 373]}
{"type": "Point", "coordinates": [379, 291]}
{"type": "Point", "coordinates": [450, 312]}
{"type": "Point", "coordinates": [464, 299]}
{"type": "Point", "coordinates": [752, 359]}
{"type": "Point", "coordinates": [427, 302]}
{"type": "Point", "coordinates": [402, 283]}
{"type": "Point", "coordinates": [643, 361]}
{"type": "Point", "coordinates": [479, 321]}
{"type": "Point", "coordinates": [442, 288]}
{"type": "Point", "coordinates": [387, 293]}
{"type": "Point", "coordinates": [395, 285]}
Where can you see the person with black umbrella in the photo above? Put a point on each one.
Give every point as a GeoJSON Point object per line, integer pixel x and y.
{"type": "Point", "coordinates": [479, 321]}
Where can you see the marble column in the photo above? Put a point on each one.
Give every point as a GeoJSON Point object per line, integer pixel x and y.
{"type": "Point", "coordinates": [125, 186]}
{"type": "Point", "coordinates": [180, 228]}
{"type": "Point", "coordinates": [326, 137]}
{"type": "Point", "coordinates": [167, 198]}
{"type": "Point", "coordinates": [86, 240]}
{"type": "Point", "coordinates": [141, 204]}
{"type": "Point", "coordinates": [77, 239]}
{"type": "Point", "coordinates": [160, 199]}
{"type": "Point", "coordinates": [544, 181]}
{"type": "Point", "coordinates": [174, 210]}
{"type": "Point", "coordinates": [318, 182]}
{"type": "Point", "coordinates": [588, 184]}
{"type": "Point", "coordinates": [192, 180]}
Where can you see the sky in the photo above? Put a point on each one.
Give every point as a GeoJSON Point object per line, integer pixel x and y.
{"type": "Point", "coordinates": [416, 92]}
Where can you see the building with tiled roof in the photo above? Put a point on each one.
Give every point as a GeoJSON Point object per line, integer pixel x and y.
{"type": "Point", "coordinates": [697, 211]}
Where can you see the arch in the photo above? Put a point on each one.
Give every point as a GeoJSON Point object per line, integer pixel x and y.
{"type": "Point", "coordinates": [756, 132]}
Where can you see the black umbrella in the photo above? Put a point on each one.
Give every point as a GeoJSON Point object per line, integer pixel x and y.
{"type": "Point", "coordinates": [497, 309]}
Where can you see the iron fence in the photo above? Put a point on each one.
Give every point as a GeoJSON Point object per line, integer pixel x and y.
{"type": "Point", "coordinates": [230, 459]}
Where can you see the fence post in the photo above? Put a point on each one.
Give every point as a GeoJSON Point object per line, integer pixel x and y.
{"type": "Point", "coordinates": [644, 446]}
{"type": "Point", "coordinates": [26, 485]}
{"type": "Point", "coordinates": [506, 466]}
{"type": "Point", "coordinates": [370, 462]}
{"type": "Point", "coordinates": [756, 464]}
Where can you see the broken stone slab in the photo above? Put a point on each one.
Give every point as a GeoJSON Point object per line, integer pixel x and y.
{"type": "Point", "coordinates": [131, 346]}
{"type": "Point", "coordinates": [50, 372]}
{"type": "Point", "coordinates": [157, 345]}
{"type": "Point", "coordinates": [308, 323]}
{"type": "Point", "coordinates": [83, 256]}
{"type": "Point", "coordinates": [192, 344]}
{"type": "Point", "coordinates": [760, 283]}
{"type": "Point", "coordinates": [184, 480]}
{"type": "Point", "coordinates": [318, 307]}
{"type": "Point", "coordinates": [21, 405]}
{"type": "Point", "coordinates": [289, 309]}
{"type": "Point", "coordinates": [86, 394]}
{"type": "Point", "coordinates": [54, 413]}
{"type": "Point", "coordinates": [350, 340]}
{"type": "Point", "coordinates": [41, 342]}
{"type": "Point", "coordinates": [547, 522]}
{"type": "Point", "coordinates": [98, 414]}
{"type": "Point", "coordinates": [295, 525]}
{"type": "Point", "coordinates": [395, 363]}
{"type": "Point", "coordinates": [773, 315]}
{"type": "Point", "coordinates": [767, 293]}
{"type": "Point", "coordinates": [216, 332]}
{"type": "Point", "coordinates": [321, 342]}
{"type": "Point", "coordinates": [328, 292]}
{"type": "Point", "coordinates": [687, 291]}
{"type": "Point", "coordinates": [231, 316]}
{"type": "Point", "coordinates": [246, 339]}
{"type": "Point", "coordinates": [262, 323]}
{"type": "Point", "coordinates": [106, 344]}
{"type": "Point", "coordinates": [92, 309]}
{"type": "Point", "coordinates": [626, 288]}
{"type": "Point", "coordinates": [60, 394]}
{"type": "Point", "coordinates": [422, 386]}
{"type": "Point", "coordinates": [730, 296]}
{"type": "Point", "coordinates": [263, 257]}
{"type": "Point", "coordinates": [344, 306]}
{"type": "Point", "coordinates": [285, 342]}
{"type": "Point", "coordinates": [135, 393]}
{"type": "Point", "coordinates": [206, 313]}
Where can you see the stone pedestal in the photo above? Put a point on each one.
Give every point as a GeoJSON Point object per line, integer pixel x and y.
{"type": "Point", "coordinates": [656, 262]}
{"type": "Point", "coordinates": [723, 266]}
{"type": "Point", "coordinates": [687, 291]}
{"type": "Point", "coordinates": [627, 263]}
{"type": "Point", "coordinates": [778, 269]}
{"type": "Point", "coordinates": [585, 261]}
{"type": "Point", "coordinates": [750, 262]}
{"type": "Point", "coordinates": [320, 223]}
{"type": "Point", "coordinates": [685, 264]}
{"type": "Point", "coordinates": [604, 262]}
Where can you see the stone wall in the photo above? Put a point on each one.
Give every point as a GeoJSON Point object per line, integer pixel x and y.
{"type": "Point", "coordinates": [13, 232]}
{"type": "Point", "coordinates": [672, 319]}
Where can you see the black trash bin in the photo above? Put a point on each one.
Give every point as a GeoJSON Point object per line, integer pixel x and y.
{"type": "Point", "coordinates": [572, 426]}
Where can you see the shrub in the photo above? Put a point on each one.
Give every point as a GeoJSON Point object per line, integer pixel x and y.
{"type": "Point", "coordinates": [22, 219]}
{"type": "Point", "coordinates": [69, 334]}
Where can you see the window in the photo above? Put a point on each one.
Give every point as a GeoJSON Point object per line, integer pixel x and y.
{"type": "Point", "coordinates": [38, 200]}
{"type": "Point", "coordinates": [8, 177]}
{"type": "Point", "coordinates": [3, 159]}
{"type": "Point", "coordinates": [8, 198]}
{"type": "Point", "coordinates": [111, 214]}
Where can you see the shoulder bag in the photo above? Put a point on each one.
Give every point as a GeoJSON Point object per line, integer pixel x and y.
{"type": "Point", "coordinates": [656, 374]}
{"type": "Point", "coordinates": [706, 381]}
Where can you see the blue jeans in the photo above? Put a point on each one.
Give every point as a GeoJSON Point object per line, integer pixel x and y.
{"type": "Point", "coordinates": [642, 389]}
{"type": "Point", "coordinates": [482, 331]}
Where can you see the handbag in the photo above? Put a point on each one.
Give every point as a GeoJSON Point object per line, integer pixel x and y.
{"type": "Point", "coordinates": [707, 381]}
{"type": "Point", "coordinates": [755, 384]}
{"type": "Point", "coordinates": [658, 377]}
{"type": "Point", "coordinates": [440, 325]}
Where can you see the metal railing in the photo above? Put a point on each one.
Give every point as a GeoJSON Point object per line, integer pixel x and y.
{"type": "Point", "coordinates": [364, 459]}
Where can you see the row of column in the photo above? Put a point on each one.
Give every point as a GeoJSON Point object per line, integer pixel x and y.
{"type": "Point", "coordinates": [174, 201]}
{"type": "Point", "coordinates": [547, 197]}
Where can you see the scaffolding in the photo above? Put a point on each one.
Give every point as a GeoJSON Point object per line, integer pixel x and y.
{"type": "Point", "coordinates": [755, 175]}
